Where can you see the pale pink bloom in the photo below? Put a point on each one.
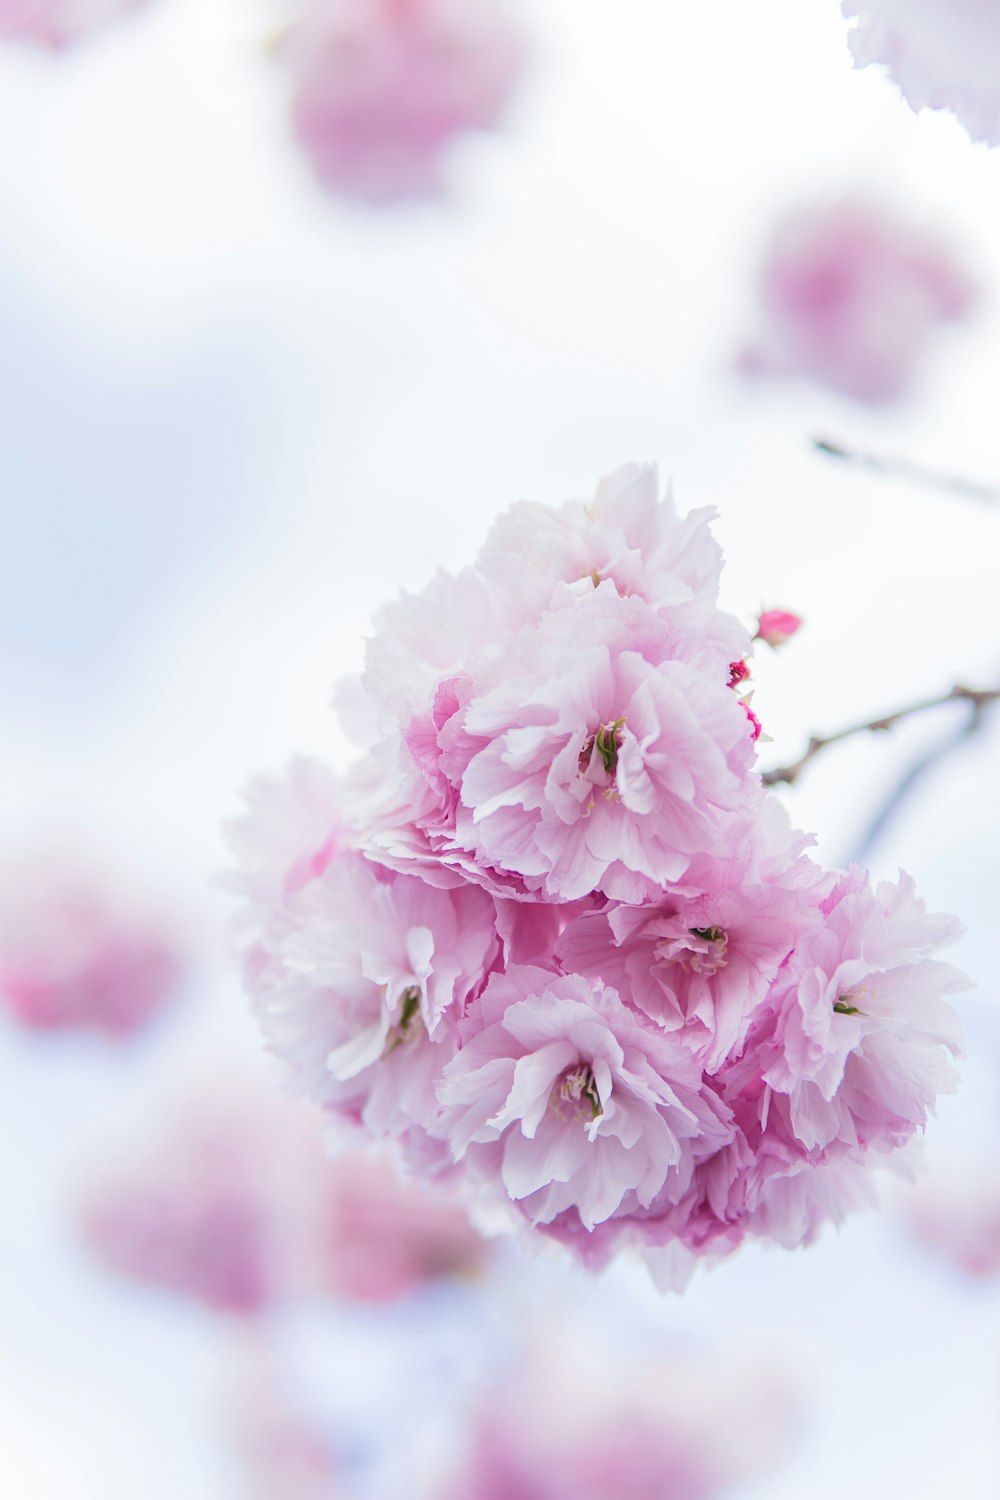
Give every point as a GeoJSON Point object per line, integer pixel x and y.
{"type": "Point", "coordinates": [862, 1035]}
{"type": "Point", "coordinates": [776, 626]}
{"type": "Point", "coordinates": [381, 88]}
{"type": "Point", "coordinates": [941, 53]}
{"type": "Point", "coordinates": [358, 984]}
{"type": "Point", "coordinates": [77, 953]}
{"type": "Point", "coordinates": [627, 533]}
{"type": "Point", "coordinates": [959, 1219]}
{"type": "Point", "coordinates": [700, 964]}
{"type": "Point", "coordinates": [289, 832]}
{"type": "Point", "coordinates": [59, 23]}
{"type": "Point", "coordinates": [583, 755]}
{"type": "Point", "coordinates": [849, 297]}
{"type": "Point", "coordinates": [576, 1424]}
{"type": "Point", "coordinates": [569, 1099]}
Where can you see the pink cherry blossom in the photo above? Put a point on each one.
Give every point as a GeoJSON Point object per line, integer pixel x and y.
{"type": "Point", "coordinates": [628, 533]}
{"type": "Point", "coordinates": [940, 53]}
{"type": "Point", "coordinates": [359, 977]}
{"type": "Point", "coordinates": [700, 964]}
{"type": "Point", "coordinates": [77, 953]}
{"type": "Point", "coordinates": [849, 297]}
{"type": "Point", "coordinates": [381, 88]}
{"type": "Point", "coordinates": [862, 1034]}
{"type": "Point", "coordinates": [563, 1092]}
{"type": "Point", "coordinates": [776, 626]}
{"type": "Point", "coordinates": [59, 23]}
{"type": "Point", "coordinates": [583, 755]}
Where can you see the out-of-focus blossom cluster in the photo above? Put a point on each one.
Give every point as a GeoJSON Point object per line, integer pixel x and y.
{"type": "Point", "coordinates": [59, 23]}
{"type": "Point", "coordinates": [284, 1455]}
{"type": "Point", "coordinates": [941, 53]}
{"type": "Point", "coordinates": [552, 935]}
{"type": "Point", "coordinates": [572, 1427]}
{"type": "Point", "coordinates": [960, 1221]}
{"type": "Point", "coordinates": [381, 88]}
{"type": "Point", "coordinates": [848, 298]}
{"type": "Point", "coordinates": [78, 953]}
{"type": "Point", "coordinates": [237, 1207]}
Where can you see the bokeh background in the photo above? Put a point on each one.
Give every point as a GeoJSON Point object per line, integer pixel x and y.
{"type": "Point", "coordinates": [237, 413]}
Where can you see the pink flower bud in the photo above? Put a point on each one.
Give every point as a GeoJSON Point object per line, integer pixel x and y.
{"type": "Point", "coordinates": [775, 626]}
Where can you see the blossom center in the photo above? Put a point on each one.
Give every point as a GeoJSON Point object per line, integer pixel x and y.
{"type": "Point", "coordinates": [704, 950]}
{"type": "Point", "coordinates": [575, 1096]}
{"type": "Point", "coordinates": [408, 1025]}
{"type": "Point", "coordinates": [606, 742]}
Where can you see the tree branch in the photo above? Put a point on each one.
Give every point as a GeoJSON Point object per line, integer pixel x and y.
{"type": "Point", "coordinates": [902, 468]}
{"type": "Point", "coordinates": [979, 700]}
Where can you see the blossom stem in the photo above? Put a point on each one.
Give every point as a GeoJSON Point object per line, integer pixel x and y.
{"type": "Point", "coordinates": [979, 700]}
{"type": "Point", "coordinates": [903, 468]}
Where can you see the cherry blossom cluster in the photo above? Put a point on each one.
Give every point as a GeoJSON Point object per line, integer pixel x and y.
{"type": "Point", "coordinates": [553, 936]}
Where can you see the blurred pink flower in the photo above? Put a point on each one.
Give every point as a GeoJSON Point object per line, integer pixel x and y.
{"type": "Point", "coordinates": [941, 53]}
{"type": "Point", "coordinates": [848, 298]}
{"type": "Point", "coordinates": [237, 1206]}
{"type": "Point", "coordinates": [59, 23]}
{"type": "Point", "coordinates": [776, 626]}
{"type": "Point", "coordinates": [283, 1453]}
{"type": "Point", "coordinates": [77, 954]}
{"type": "Point", "coordinates": [381, 87]}
{"type": "Point", "coordinates": [572, 1427]}
{"type": "Point", "coordinates": [960, 1220]}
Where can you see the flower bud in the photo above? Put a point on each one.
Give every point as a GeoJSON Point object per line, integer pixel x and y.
{"type": "Point", "coordinates": [775, 626]}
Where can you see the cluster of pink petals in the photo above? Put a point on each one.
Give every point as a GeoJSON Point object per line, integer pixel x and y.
{"type": "Point", "coordinates": [59, 23]}
{"type": "Point", "coordinates": [237, 1207]}
{"type": "Point", "coordinates": [848, 297]}
{"type": "Point", "coordinates": [554, 938]}
{"type": "Point", "coordinates": [941, 53]}
{"type": "Point", "coordinates": [76, 954]}
{"type": "Point", "coordinates": [382, 87]}
{"type": "Point", "coordinates": [573, 1427]}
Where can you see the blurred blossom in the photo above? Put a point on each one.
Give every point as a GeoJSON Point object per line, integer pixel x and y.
{"type": "Point", "coordinates": [384, 1237]}
{"type": "Point", "coordinates": [381, 87]}
{"type": "Point", "coordinates": [960, 1220]}
{"type": "Point", "coordinates": [59, 23]}
{"type": "Point", "coordinates": [283, 1454]}
{"type": "Point", "coordinates": [776, 626]}
{"type": "Point", "coordinates": [77, 954]}
{"type": "Point", "coordinates": [941, 53]}
{"type": "Point", "coordinates": [572, 1428]}
{"type": "Point", "coordinates": [848, 297]}
{"type": "Point", "coordinates": [236, 1206]}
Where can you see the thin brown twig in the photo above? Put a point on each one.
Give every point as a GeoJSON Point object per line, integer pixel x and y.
{"type": "Point", "coordinates": [978, 698]}
{"type": "Point", "coordinates": [903, 468]}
